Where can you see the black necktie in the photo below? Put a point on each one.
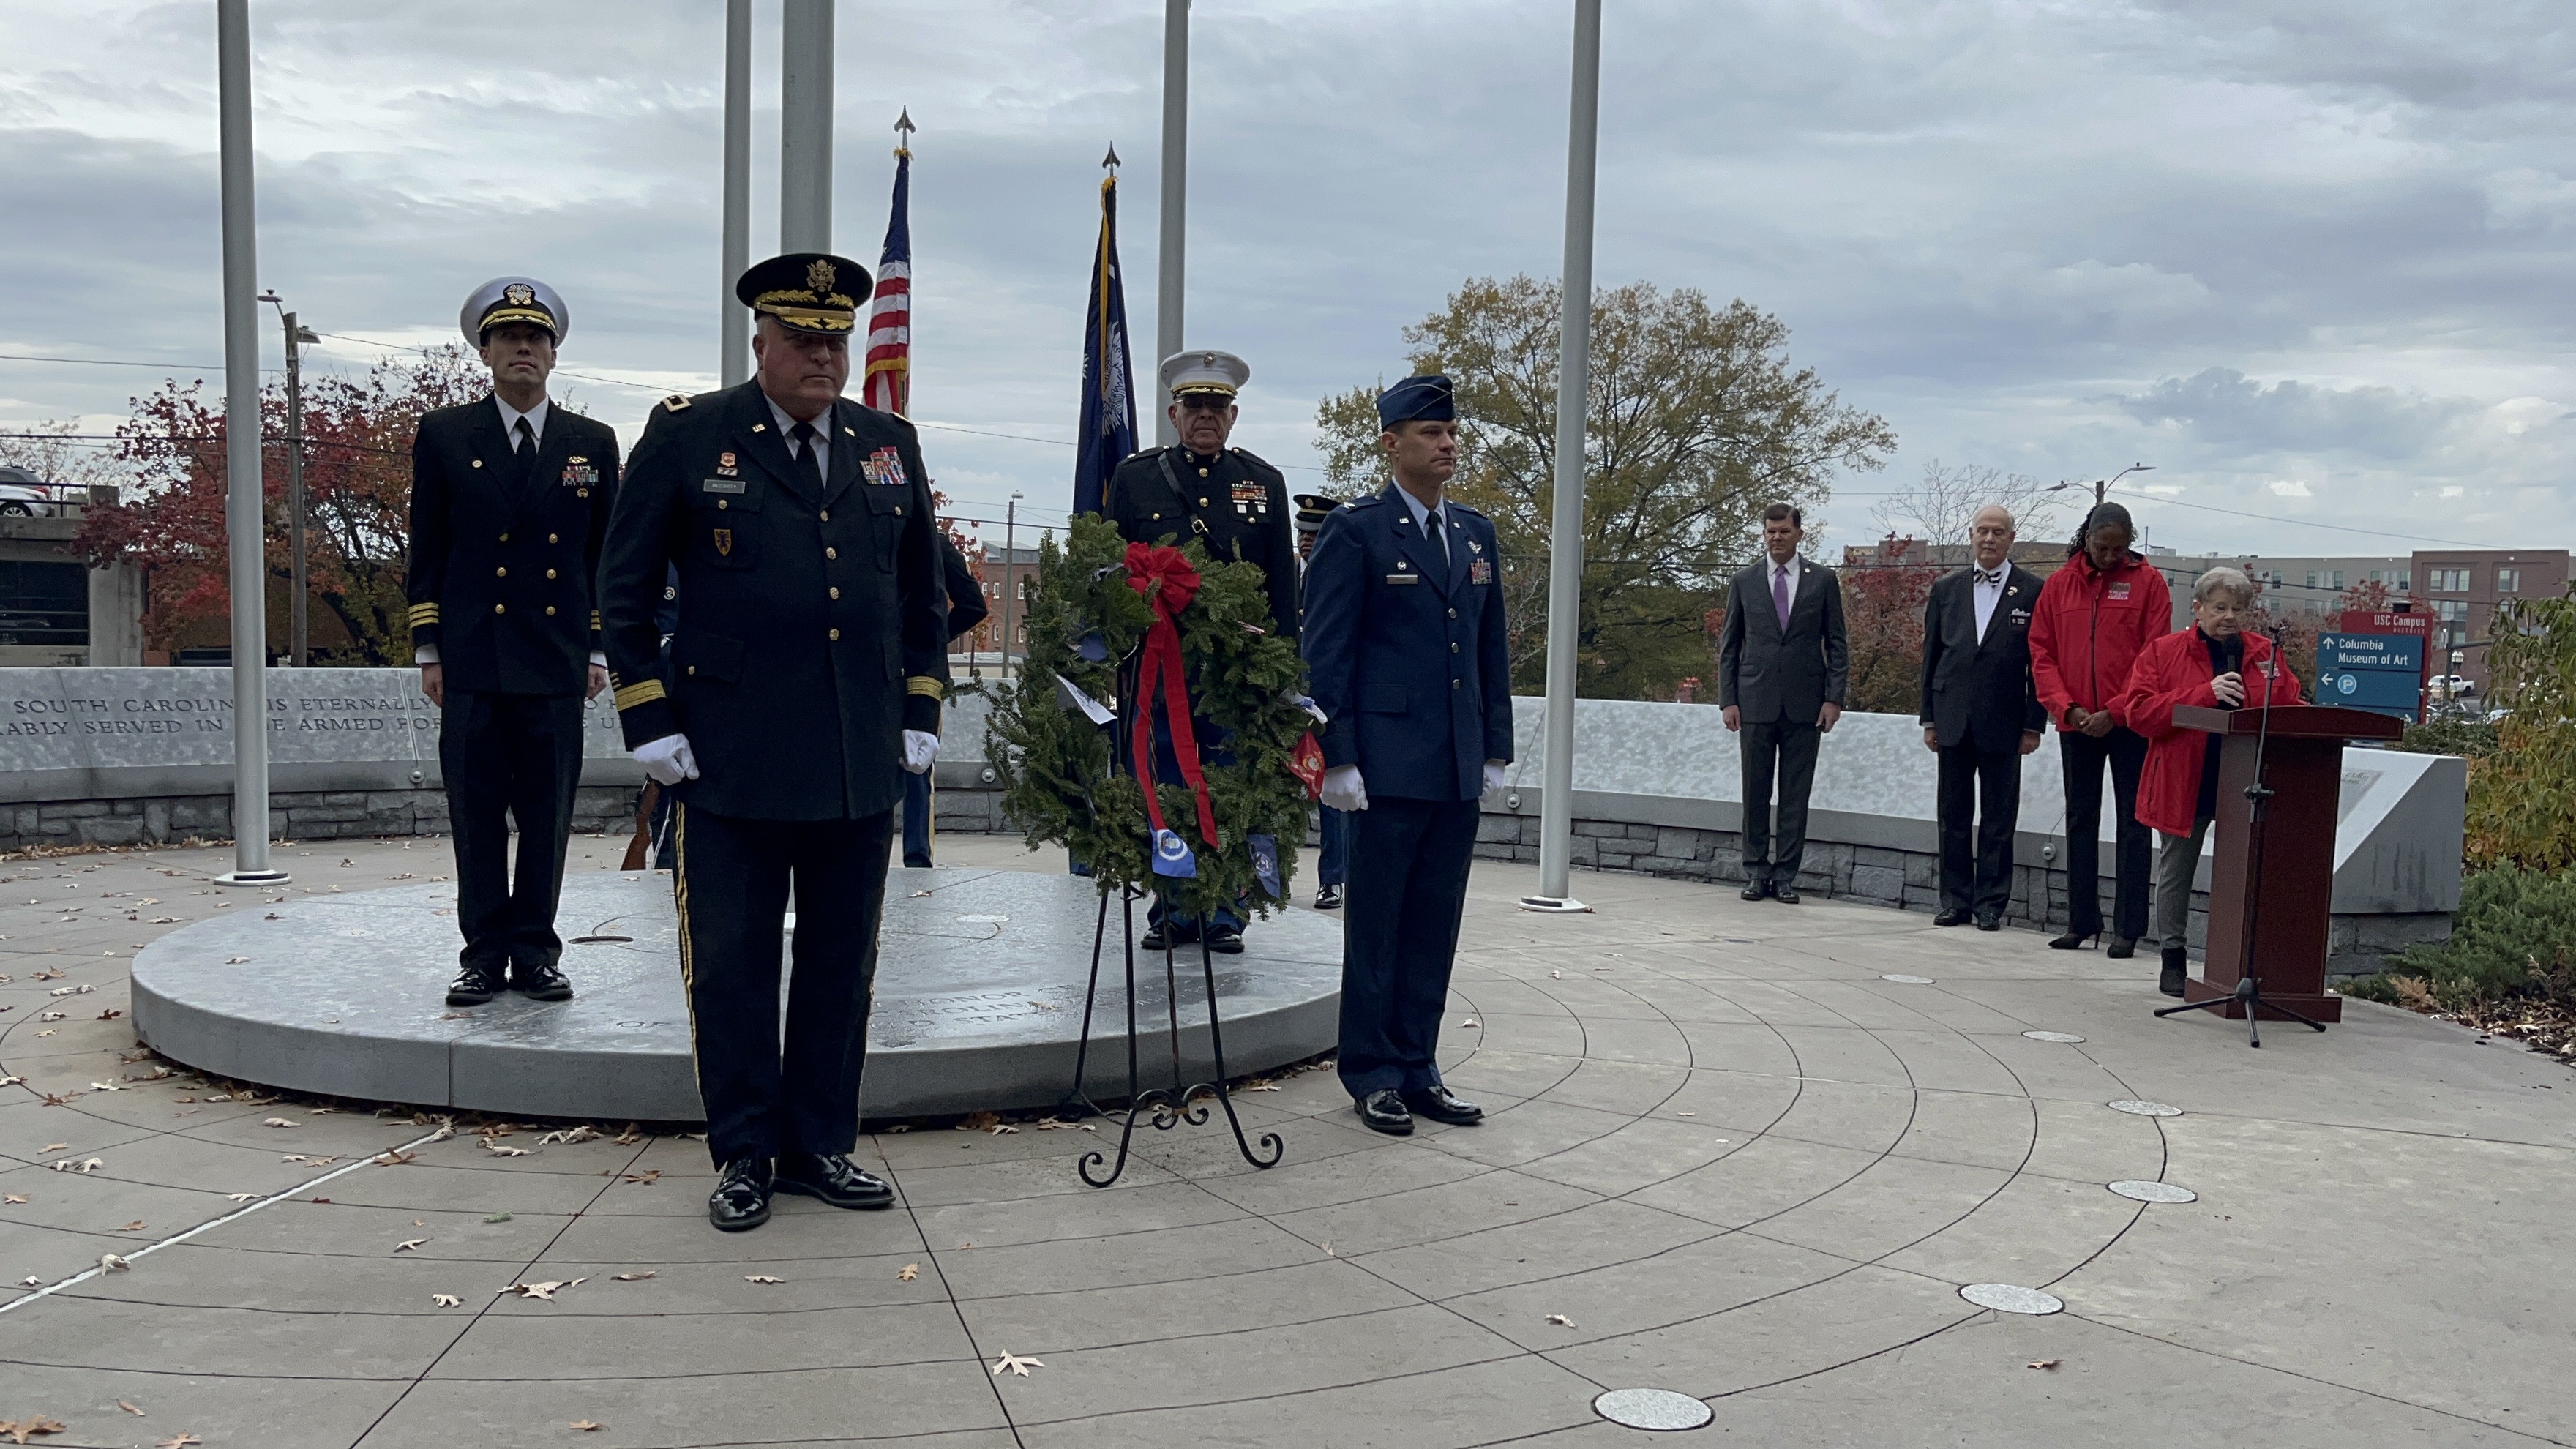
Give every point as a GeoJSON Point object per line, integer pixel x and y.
{"type": "Point", "coordinates": [525, 442]}
{"type": "Point", "coordinates": [806, 462]}
{"type": "Point", "coordinates": [1431, 531]}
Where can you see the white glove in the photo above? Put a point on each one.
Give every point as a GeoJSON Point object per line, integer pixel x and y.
{"type": "Point", "coordinates": [1495, 784]}
{"type": "Point", "coordinates": [668, 759]}
{"type": "Point", "coordinates": [919, 749]}
{"type": "Point", "coordinates": [1343, 788]}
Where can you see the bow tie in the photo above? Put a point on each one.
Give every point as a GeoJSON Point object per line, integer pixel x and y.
{"type": "Point", "coordinates": [1995, 577]}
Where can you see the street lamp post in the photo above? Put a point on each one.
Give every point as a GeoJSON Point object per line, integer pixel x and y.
{"type": "Point", "coordinates": [2102, 486]}
{"type": "Point", "coordinates": [1010, 575]}
{"type": "Point", "coordinates": [295, 337]}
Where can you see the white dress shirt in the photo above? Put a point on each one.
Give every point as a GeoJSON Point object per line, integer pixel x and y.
{"type": "Point", "coordinates": [510, 416]}
{"type": "Point", "coordinates": [1421, 513]}
{"type": "Point", "coordinates": [1988, 590]}
{"type": "Point", "coordinates": [822, 426]}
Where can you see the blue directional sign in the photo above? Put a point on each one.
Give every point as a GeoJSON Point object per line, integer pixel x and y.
{"type": "Point", "coordinates": [2382, 673]}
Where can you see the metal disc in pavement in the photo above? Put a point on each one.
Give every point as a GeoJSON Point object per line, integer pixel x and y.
{"type": "Point", "coordinates": [2144, 1109]}
{"type": "Point", "coordinates": [2142, 1191]}
{"type": "Point", "coordinates": [1903, 980]}
{"type": "Point", "coordinates": [2012, 1298]}
{"type": "Point", "coordinates": [1652, 1409]}
{"type": "Point", "coordinates": [2067, 1037]}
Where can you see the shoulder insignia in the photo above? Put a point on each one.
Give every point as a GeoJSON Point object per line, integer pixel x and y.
{"type": "Point", "coordinates": [1457, 507]}
{"type": "Point", "coordinates": [1371, 501]}
{"type": "Point", "coordinates": [676, 402]}
{"type": "Point", "coordinates": [1255, 459]}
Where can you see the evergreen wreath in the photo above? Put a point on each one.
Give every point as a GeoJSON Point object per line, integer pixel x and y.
{"type": "Point", "coordinates": [1058, 783]}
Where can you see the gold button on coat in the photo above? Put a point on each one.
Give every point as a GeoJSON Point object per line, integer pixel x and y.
{"type": "Point", "coordinates": [505, 538]}
{"type": "Point", "coordinates": [500, 608]}
{"type": "Point", "coordinates": [826, 515]}
{"type": "Point", "coordinates": [550, 538]}
{"type": "Point", "coordinates": [836, 634]}
{"type": "Point", "coordinates": [500, 573]}
{"type": "Point", "coordinates": [831, 553]}
{"type": "Point", "coordinates": [550, 573]}
{"type": "Point", "coordinates": [550, 608]}
{"type": "Point", "coordinates": [723, 503]}
{"type": "Point", "coordinates": [836, 593]}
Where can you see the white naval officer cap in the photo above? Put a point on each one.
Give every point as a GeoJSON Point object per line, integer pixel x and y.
{"type": "Point", "coordinates": [1200, 370]}
{"type": "Point", "coordinates": [513, 299]}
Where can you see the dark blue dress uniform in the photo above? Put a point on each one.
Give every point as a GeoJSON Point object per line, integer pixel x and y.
{"type": "Point", "coordinates": [811, 632]}
{"type": "Point", "coordinates": [504, 546]}
{"type": "Point", "coordinates": [966, 609]}
{"type": "Point", "coordinates": [1405, 654]}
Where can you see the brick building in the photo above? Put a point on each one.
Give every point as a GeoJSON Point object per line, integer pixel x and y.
{"type": "Point", "coordinates": [2463, 586]}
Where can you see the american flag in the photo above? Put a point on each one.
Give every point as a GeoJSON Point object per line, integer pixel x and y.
{"type": "Point", "coordinates": [887, 386]}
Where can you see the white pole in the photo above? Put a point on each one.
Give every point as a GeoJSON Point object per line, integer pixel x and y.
{"type": "Point", "coordinates": [1565, 535]}
{"type": "Point", "coordinates": [245, 528]}
{"type": "Point", "coordinates": [1169, 264]}
{"type": "Point", "coordinates": [733, 349]}
{"type": "Point", "coordinates": [805, 126]}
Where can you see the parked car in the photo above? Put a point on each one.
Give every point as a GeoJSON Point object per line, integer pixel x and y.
{"type": "Point", "coordinates": [24, 495]}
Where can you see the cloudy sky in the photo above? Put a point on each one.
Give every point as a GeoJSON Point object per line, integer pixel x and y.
{"type": "Point", "coordinates": [2310, 258]}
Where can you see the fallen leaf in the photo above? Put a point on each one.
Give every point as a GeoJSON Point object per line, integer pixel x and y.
{"type": "Point", "coordinates": [917, 895]}
{"type": "Point", "coordinates": [498, 1218]}
{"type": "Point", "coordinates": [409, 1244]}
{"type": "Point", "coordinates": [19, 1429]}
{"type": "Point", "coordinates": [2045, 1363]}
{"type": "Point", "coordinates": [277, 1122]}
{"type": "Point", "coordinates": [646, 1178]}
{"type": "Point", "coordinates": [980, 1122]}
{"type": "Point", "coordinates": [107, 1086]}
{"type": "Point", "coordinates": [135, 1226]}
{"type": "Point", "coordinates": [586, 1425]}
{"type": "Point", "coordinates": [761, 1278]}
{"type": "Point", "coordinates": [51, 1147]}
{"type": "Point", "coordinates": [445, 1300]}
{"type": "Point", "coordinates": [395, 1158]}
{"type": "Point", "coordinates": [1470, 1021]}
{"type": "Point", "coordinates": [129, 1408]}
{"type": "Point", "coordinates": [179, 1441]}
{"type": "Point", "coordinates": [497, 1150]}
{"type": "Point", "coordinates": [910, 1270]}
{"type": "Point", "coordinates": [1001, 1127]}
{"type": "Point", "coordinates": [1015, 1364]}
{"type": "Point", "coordinates": [1557, 975]}
{"type": "Point", "coordinates": [109, 1016]}
{"type": "Point", "coordinates": [242, 1196]}
{"type": "Point", "coordinates": [236, 960]}
{"type": "Point", "coordinates": [49, 1016]}
{"type": "Point", "coordinates": [569, 1134]}
{"type": "Point", "coordinates": [544, 1292]}
{"type": "Point", "coordinates": [14, 1198]}
{"type": "Point", "coordinates": [634, 1277]}
{"type": "Point", "coordinates": [1560, 1320]}
{"type": "Point", "coordinates": [113, 1263]}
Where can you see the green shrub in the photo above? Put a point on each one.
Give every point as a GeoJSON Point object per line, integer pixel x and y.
{"type": "Point", "coordinates": [2474, 738]}
{"type": "Point", "coordinates": [2514, 934]}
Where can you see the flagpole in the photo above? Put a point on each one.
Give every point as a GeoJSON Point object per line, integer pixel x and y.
{"type": "Point", "coordinates": [1565, 536]}
{"type": "Point", "coordinates": [1169, 264]}
{"type": "Point", "coordinates": [733, 347]}
{"type": "Point", "coordinates": [805, 126]}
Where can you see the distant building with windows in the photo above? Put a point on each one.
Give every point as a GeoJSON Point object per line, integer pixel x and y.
{"type": "Point", "coordinates": [2462, 587]}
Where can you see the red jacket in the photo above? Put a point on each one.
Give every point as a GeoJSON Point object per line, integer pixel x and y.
{"type": "Point", "coordinates": [2174, 671]}
{"type": "Point", "coordinates": [2088, 629]}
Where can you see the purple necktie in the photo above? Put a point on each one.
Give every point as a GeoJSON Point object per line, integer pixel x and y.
{"type": "Point", "coordinates": [1780, 594]}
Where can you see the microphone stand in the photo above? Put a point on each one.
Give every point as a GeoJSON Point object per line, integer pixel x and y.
{"type": "Point", "coordinates": [2249, 989]}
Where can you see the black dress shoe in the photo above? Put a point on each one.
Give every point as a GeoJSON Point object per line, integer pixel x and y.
{"type": "Point", "coordinates": [1164, 937]}
{"type": "Point", "coordinates": [2121, 948]}
{"type": "Point", "coordinates": [741, 1199]}
{"type": "Point", "coordinates": [1328, 898]}
{"type": "Point", "coordinates": [916, 862]}
{"type": "Point", "coordinates": [1990, 923]}
{"type": "Point", "coordinates": [1225, 940]}
{"type": "Point", "coordinates": [832, 1177]}
{"type": "Point", "coordinates": [540, 981]}
{"type": "Point", "coordinates": [1385, 1112]}
{"type": "Point", "coordinates": [1785, 895]}
{"type": "Point", "coordinates": [1756, 890]}
{"type": "Point", "coordinates": [1951, 916]}
{"type": "Point", "coordinates": [2177, 965]}
{"type": "Point", "coordinates": [2073, 940]}
{"type": "Point", "coordinates": [1442, 1105]}
{"type": "Point", "coordinates": [479, 982]}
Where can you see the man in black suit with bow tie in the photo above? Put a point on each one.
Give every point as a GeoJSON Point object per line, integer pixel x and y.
{"type": "Point", "coordinates": [1981, 714]}
{"type": "Point", "coordinates": [1783, 665]}
{"type": "Point", "coordinates": [509, 504]}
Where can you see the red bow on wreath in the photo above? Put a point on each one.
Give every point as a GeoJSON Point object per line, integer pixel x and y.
{"type": "Point", "coordinates": [1168, 583]}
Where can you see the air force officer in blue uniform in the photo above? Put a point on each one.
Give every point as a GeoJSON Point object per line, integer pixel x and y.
{"type": "Point", "coordinates": [1405, 655]}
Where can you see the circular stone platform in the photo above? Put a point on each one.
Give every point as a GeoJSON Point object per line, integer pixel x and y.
{"type": "Point", "coordinates": [979, 995]}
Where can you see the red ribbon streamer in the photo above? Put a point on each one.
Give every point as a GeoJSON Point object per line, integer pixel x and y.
{"type": "Point", "coordinates": [1168, 583]}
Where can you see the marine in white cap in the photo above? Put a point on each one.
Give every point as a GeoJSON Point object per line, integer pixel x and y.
{"type": "Point", "coordinates": [1235, 505]}
{"type": "Point", "coordinates": [509, 505]}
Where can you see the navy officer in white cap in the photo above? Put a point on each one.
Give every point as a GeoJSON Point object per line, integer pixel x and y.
{"type": "Point", "coordinates": [1237, 507]}
{"type": "Point", "coordinates": [509, 505]}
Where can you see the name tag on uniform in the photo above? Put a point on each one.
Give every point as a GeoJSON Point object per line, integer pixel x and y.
{"type": "Point", "coordinates": [1404, 578]}
{"type": "Point", "coordinates": [721, 485]}
{"type": "Point", "coordinates": [2119, 593]}
{"type": "Point", "coordinates": [884, 468]}
{"type": "Point", "coordinates": [1480, 571]}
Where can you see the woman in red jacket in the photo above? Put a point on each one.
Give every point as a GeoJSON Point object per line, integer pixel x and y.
{"type": "Point", "coordinates": [2093, 617]}
{"type": "Point", "coordinates": [2216, 665]}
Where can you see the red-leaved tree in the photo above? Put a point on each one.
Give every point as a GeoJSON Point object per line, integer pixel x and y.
{"type": "Point", "coordinates": [1883, 618]}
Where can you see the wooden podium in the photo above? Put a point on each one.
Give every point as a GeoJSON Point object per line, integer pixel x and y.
{"type": "Point", "coordinates": [2272, 886]}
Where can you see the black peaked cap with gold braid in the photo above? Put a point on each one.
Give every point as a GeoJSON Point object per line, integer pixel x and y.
{"type": "Point", "coordinates": [807, 292]}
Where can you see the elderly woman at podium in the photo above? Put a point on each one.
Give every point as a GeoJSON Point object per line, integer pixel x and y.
{"type": "Point", "coordinates": [2209, 665]}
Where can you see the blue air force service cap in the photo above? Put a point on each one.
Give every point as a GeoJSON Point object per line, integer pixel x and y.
{"type": "Point", "coordinates": [1417, 399]}
{"type": "Point", "coordinates": [806, 292]}
{"type": "Point", "coordinates": [504, 300]}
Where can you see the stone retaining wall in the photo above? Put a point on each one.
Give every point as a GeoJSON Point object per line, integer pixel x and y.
{"type": "Point", "coordinates": [292, 815]}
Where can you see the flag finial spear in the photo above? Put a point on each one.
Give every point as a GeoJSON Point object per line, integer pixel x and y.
{"type": "Point", "coordinates": [1110, 161]}
{"type": "Point", "coordinates": [903, 129]}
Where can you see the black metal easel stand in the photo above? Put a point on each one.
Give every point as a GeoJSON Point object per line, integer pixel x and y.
{"type": "Point", "coordinates": [2249, 987]}
{"type": "Point", "coordinates": [1163, 1107]}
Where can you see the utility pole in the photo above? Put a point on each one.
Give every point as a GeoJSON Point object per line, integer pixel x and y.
{"type": "Point", "coordinates": [1169, 265]}
{"type": "Point", "coordinates": [295, 336]}
{"type": "Point", "coordinates": [733, 346]}
{"type": "Point", "coordinates": [1010, 576]}
{"type": "Point", "coordinates": [1565, 533]}
{"type": "Point", "coordinates": [245, 527]}
{"type": "Point", "coordinates": [805, 126]}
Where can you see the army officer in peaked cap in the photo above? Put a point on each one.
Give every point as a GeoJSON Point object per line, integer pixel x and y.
{"type": "Point", "coordinates": [1236, 506]}
{"type": "Point", "coordinates": [807, 665]}
{"type": "Point", "coordinates": [509, 504]}
{"type": "Point", "coordinates": [1405, 655]}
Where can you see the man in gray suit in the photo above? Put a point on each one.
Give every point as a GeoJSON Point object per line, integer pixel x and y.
{"type": "Point", "coordinates": [1783, 664]}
